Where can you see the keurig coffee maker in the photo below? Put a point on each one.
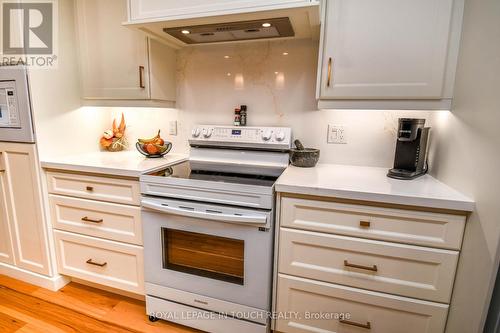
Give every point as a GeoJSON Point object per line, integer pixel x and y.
{"type": "Point", "coordinates": [410, 160]}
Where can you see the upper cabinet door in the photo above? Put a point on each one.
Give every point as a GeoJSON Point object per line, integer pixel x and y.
{"type": "Point", "coordinates": [113, 58]}
{"type": "Point", "coordinates": [385, 49]}
{"type": "Point", "coordinates": [174, 9]}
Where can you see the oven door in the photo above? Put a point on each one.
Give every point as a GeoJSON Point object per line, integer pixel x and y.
{"type": "Point", "coordinates": [217, 251]}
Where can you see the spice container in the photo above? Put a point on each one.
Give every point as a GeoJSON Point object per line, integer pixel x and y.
{"type": "Point", "coordinates": [243, 115]}
{"type": "Point", "coordinates": [237, 117]}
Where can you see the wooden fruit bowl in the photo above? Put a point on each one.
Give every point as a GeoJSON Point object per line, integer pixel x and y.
{"type": "Point", "coordinates": [162, 149]}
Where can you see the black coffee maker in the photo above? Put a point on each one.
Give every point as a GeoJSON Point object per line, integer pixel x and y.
{"type": "Point", "coordinates": [410, 160]}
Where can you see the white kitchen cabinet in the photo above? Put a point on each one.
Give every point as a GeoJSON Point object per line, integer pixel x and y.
{"type": "Point", "coordinates": [22, 223]}
{"type": "Point", "coordinates": [6, 251]}
{"type": "Point", "coordinates": [97, 226]}
{"type": "Point", "coordinates": [392, 268]}
{"type": "Point", "coordinates": [121, 63]}
{"type": "Point", "coordinates": [389, 50]}
{"type": "Point", "coordinates": [317, 307]}
{"type": "Point", "coordinates": [105, 262]}
{"type": "Point", "coordinates": [171, 9]}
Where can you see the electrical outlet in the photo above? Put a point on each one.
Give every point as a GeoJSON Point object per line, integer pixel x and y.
{"type": "Point", "coordinates": [172, 128]}
{"type": "Point", "coordinates": [336, 134]}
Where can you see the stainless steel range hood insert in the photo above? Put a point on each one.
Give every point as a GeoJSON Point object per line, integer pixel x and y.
{"type": "Point", "coordinates": [233, 31]}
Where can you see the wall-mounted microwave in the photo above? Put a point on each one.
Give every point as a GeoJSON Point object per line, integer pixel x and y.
{"type": "Point", "coordinates": [9, 113]}
{"type": "Point", "coordinates": [15, 107]}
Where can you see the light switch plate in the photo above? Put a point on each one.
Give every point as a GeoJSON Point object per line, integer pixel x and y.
{"type": "Point", "coordinates": [337, 134]}
{"type": "Point", "coordinates": [172, 127]}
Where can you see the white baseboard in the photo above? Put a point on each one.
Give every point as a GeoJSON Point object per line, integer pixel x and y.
{"type": "Point", "coordinates": [53, 283]}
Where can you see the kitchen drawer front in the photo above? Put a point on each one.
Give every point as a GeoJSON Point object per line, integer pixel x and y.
{"type": "Point", "coordinates": [99, 219]}
{"type": "Point", "coordinates": [100, 261]}
{"type": "Point", "coordinates": [382, 313]}
{"type": "Point", "coordinates": [93, 187]}
{"type": "Point", "coordinates": [398, 225]}
{"type": "Point", "coordinates": [393, 268]}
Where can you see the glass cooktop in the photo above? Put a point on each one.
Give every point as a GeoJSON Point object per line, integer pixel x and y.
{"type": "Point", "coordinates": [187, 170]}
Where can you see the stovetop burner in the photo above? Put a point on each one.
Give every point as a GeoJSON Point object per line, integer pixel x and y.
{"type": "Point", "coordinates": [188, 170]}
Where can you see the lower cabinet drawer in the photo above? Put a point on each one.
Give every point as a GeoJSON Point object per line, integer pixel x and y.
{"type": "Point", "coordinates": [313, 306]}
{"type": "Point", "coordinates": [400, 269]}
{"type": "Point", "coordinates": [389, 224]}
{"type": "Point", "coordinates": [96, 218]}
{"type": "Point", "coordinates": [100, 261]}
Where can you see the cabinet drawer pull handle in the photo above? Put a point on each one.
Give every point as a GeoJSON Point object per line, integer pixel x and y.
{"type": "Point", "coordinates": [368, 325]}
{"type": "Point", "coordinates": [329, 74]}
{"type": "Point", "coordinates": [364, 224]}
{"type": "Point", "coordinates": [86, 219]}
{"type": "Point", "coordinates": [141, 77]}
{"type": "Point", "coordinates": [368, 268]}
{"type": "Point", "coordinates": [90, 262]}
{"type": "Point", "coordinates": [89, 188]}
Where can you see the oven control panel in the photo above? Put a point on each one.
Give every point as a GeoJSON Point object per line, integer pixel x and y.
{"type": "Point", "coordinates": [269, 137]}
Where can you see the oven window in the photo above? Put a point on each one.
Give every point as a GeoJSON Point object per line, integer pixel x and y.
{"type": "Point", "coordinates": [210, 256]}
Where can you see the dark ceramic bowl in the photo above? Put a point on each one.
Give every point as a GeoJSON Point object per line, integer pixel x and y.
{"type": "Point", "coordinates": [304, 158]}
{"type": "Point", "coordinates": [164, 150]}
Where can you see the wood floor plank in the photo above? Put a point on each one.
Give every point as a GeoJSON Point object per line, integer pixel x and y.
{"type": "Point", "coordinates": [89, 301]}
{"type": "Point", "coordinates": [9, 324]}
{"type": "Point", "coordinates": [17, 285]}
{"type": "Point", "coordinates": [33, 323]}
{"type": "Point", "coordinates": [76, 308]}
{"type": "Point", "coordinates": [55, 315]}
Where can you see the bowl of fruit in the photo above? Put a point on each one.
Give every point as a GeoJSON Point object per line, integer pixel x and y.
{"type": "Point", "coordinates": [154, 147]}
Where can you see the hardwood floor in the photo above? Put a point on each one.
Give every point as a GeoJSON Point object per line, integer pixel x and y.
{"type": "Point", "coordinates": [25, 308]}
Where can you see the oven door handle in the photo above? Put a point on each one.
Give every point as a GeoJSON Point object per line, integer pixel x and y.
{"type": "Point", "coordinates": [231, 218]}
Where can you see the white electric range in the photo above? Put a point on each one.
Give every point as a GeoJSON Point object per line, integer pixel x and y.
{"type": "Point", "coordinates": [208, 230]}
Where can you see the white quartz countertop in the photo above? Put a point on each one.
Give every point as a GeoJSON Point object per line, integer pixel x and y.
{"type": "Point", "coordinates": [124, 163]}
{"type": "Point", "coordinates": [371, 184]}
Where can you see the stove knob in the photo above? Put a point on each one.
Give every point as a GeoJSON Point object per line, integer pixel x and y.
{"type": "Point", "coordinates": [195, 132]}
{"type": "Point", "coordinates": [266, 135]}
{"type": "Point", "coordinates": [280, 136]}
{"type": "Point", "coordinates": [207, 133]}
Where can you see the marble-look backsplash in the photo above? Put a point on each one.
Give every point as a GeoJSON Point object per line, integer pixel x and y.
{"type": "Point", "coordinates": [277, 81]}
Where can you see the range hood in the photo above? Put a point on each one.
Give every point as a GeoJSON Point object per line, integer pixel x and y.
{"type": "Point", "coordinates": [233, 31]}
{"type": "Point", "coordinates": [298, 22]}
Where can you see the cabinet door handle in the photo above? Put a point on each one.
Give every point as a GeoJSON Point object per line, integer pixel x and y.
{"type": "Point", "coordinates": [86, 219]}
{"type": "Point", "coordinates": [364, 224]}
{"type": "Point", "coordinates": [368, 325]}
{"type": "Point", "coordinates": [329, 74]}
{"type": "Point", "coordinates": [89, 188]}
{"type": "Point", "coordinates": [141, 77]}
{"type": "Point", "coordinates": [91, 262]}
{"type": "Point", "coordinates": [2, 163]}
{"type": "Point", "coordinates": [368, 268]}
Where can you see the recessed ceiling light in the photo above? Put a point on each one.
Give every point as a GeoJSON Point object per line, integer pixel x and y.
{"type": "Point", "coordinates": [226, 57]}
{"type": "Point", "coordinates": [266, 25]}
{"type": "Point", "coordinates": [276, 73]}
{"type": "Point", "coordinates": [228, 74]}
{"type": "Point", "coordinates": [285, 53]}
{"type": "Point", "coordinates": [186, 32]}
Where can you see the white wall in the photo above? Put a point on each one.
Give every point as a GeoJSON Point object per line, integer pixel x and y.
{"type": "Point", "coordinates": [61, 125]}
{"type": "Point", "coordinates": [467, 157]}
